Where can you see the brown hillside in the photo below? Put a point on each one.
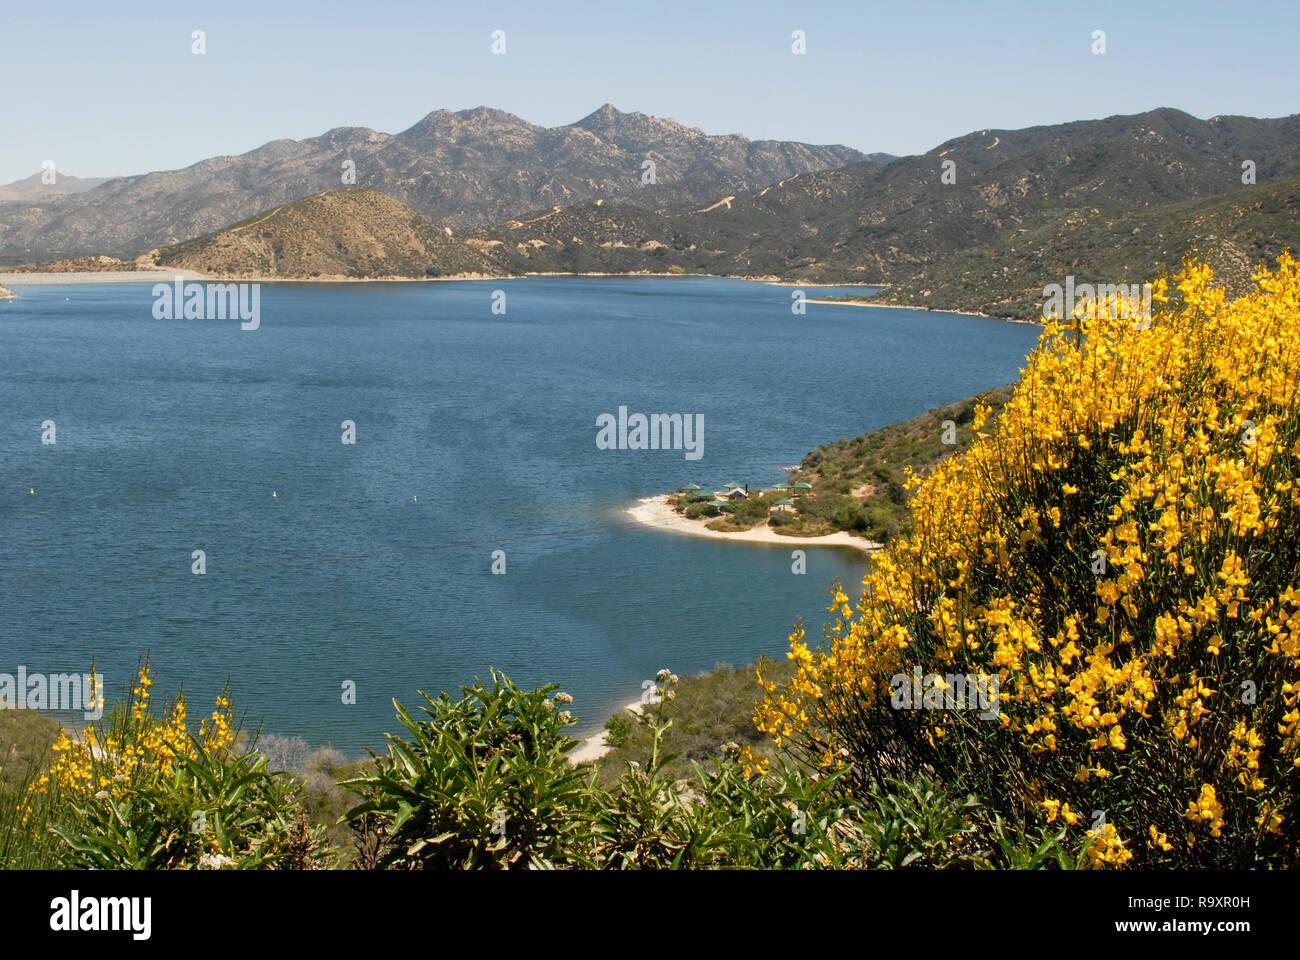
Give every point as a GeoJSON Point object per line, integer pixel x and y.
{"type": "Point", "coordinates": [354, 234]}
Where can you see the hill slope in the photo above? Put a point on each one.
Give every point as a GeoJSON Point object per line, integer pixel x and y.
{"type": "Point", "coordinates": [1234, 233]}
{"type": "Point", "coordinates": [474, 166]}
{"type": "Point", "coordinates": [35, 188]}
{"type": "Point", "coordinates": [346, 233]}
{"type": "Point", "coordinates": [871, 223]}
{"type": "Point", "coordinates": [886, 223]}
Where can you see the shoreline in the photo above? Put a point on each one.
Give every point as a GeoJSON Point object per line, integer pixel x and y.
{"type": "Point", "coordinates": [168, 276]}
{"type": "Point", "coordinates": [157, 275]}
{"type": "Point", "coordinates": [912, 306]}
{"type": "Point", "coordinates": [775, 282]}
{"type": "Point", "coordinates": [144, 276]}
{"type": "Point", "coordinates": [655, 512]}
{"type": "Point", "coordinates": [593, 748]}
{"type": "Point", "coordinates": [95, 276]}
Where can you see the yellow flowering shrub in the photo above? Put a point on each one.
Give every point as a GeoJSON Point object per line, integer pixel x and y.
{"type": "Point", "coordinates": [142, 790]}
{"type": "Point", "coordinates": [1120, 551]}
{"type": "Point", "coordinates": [112, 758]}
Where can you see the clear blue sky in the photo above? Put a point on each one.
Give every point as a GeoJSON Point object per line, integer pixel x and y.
{"type": "Point", "coordinates": [109, 89]}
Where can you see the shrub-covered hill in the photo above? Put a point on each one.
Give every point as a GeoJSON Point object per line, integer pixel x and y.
{"type": "Point", "coordinates": [97, 264]}
{"type": "Point", "coordinates": [1233, 233]}
{"type": "Point", "coordinates": [352, 234]}
{"type": "Point", "coordinates": [858, 484]}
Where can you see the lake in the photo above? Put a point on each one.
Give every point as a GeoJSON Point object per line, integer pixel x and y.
{"type": "Point", "coordinates": [475, 432]}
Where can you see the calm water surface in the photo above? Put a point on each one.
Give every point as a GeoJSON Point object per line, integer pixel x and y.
{"type": "Point", "coordinates": [475, 433]}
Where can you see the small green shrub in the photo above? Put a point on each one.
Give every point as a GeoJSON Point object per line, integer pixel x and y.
{"type": "Point", "coordinates": [617, 729]}
{"type": "Point", "coordinates": [482, 783]}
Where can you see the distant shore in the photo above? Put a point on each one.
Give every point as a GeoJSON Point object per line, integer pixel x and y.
{"type": "Point", "coordinates": [97, 276]}
{"type": "Point", "coordinates": [773, 281]}
{"type": "Point", "coordinates": [158, 274]}
{"type": "Point", "coordinates": [161, 275]}
{"type": "Point", "coordinates": [912, 306]}
{"type": "Point", "coordinates": [655, 512]}
{"type": "Point", "coordinates": [167, 276]}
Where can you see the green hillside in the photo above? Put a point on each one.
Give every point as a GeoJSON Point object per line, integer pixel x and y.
{"type": "Point", "coordinates": [1234, 233]}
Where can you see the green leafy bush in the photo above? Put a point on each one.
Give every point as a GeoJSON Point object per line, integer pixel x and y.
{"type": "Point", "coordinates": [214, 809]}
{"type": "Point", "coordinates": [617, 729]}
{"type": "Point", "coordinates": [482, 783]}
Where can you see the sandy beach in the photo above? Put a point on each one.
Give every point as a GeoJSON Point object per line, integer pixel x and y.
{"type": "Point", "coordinates": [595, 747]}
{"type": "Point", "coordinates": [901, 306]}
{"type": "Point", "coordinates": [908, 306]}
{"type": "Point", "coordinates": [655, 512]}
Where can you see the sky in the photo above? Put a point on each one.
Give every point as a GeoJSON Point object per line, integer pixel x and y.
{"type": "Point", "coordinates": [116, 89]}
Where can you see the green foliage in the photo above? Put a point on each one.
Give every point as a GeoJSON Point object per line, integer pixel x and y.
{"type": "Point", "coordinates": [317, 774]}
{"type": "Point", "coordinates": [217, 809]}
{"type": "Point", "coordinates": [1233, 232]}
{"type": "Point", "coordinates": [723, 819]}
{"type": "Point", "coordinates": [482, 783]}
{"type": "Point", "coordinates": [25, 741]}
{"type": "Point", "coordinates": [917, 823]}
{"type": "Point", "coordinates": [858, 483]}
{"type": "Point", "coordinates": [617, 730]}
{"type": "Point", "coordinates": [753, 510]}
{"type": "Point", "coordinates": [1019, 851]}
{"type": "Point", "coordinates": [710, 710]}
{"type": "Point", "coordinates": [434, 800]}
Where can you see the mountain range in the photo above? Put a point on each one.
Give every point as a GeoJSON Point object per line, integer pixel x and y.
{"type": "Point", "coordinates": [35, 188]}
{"type": "Point", "coordinates": [1233, 233]}
{"type": "Point", "coordinates": [470, 167]}
{"type": "Point", "coordinates": [875, 222]}
{"type": "Point", "coordinates": [980, 222]}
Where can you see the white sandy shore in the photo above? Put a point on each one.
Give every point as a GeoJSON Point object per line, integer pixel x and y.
{"type": "Point", "coordinates": [655, 512]}
{"type": "Point", "coordinates": [596, 747]}
{"type": "Point", "coordinates": [908, 306]}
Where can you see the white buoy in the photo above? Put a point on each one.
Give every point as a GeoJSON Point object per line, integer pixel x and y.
{"type": "Point", "coordinates": [272, 494]}
{"type": "Point", "coordinates": [415, 499]}
{"type": "Point", "coordinates": [31, 491]}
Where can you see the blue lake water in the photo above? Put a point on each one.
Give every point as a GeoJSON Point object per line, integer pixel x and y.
{"type": "Point", "coordinates": [475, 432]}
